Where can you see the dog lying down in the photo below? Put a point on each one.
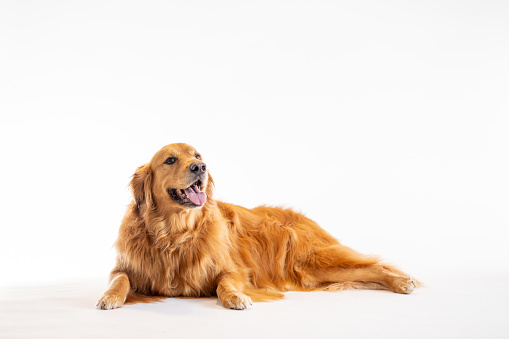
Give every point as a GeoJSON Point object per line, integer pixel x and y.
{"type": "Point", "coordinates": [176, 240]}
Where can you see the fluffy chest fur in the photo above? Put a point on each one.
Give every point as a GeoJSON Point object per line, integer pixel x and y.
{"type": "Point", "coordinates": [174, 262]}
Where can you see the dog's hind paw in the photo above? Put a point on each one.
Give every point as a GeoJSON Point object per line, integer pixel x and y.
{"type": "Point", "coordinates": [404, 285]}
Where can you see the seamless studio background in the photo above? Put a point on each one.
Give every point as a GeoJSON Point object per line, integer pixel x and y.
{"type": "Point", "coordinates": [385, 122]}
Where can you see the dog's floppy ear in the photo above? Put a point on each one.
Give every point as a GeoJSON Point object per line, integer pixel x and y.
{"type": "Point", "coordinates": [210, 187]}
{"type": "Point", "coordinates": [141, 186]}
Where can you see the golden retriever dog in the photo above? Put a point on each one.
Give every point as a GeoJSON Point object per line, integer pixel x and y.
{"type": "Point", "coordinates": [176, 240]}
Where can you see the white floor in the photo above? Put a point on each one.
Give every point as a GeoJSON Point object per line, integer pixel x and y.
{"type": "Point", "coordinates": [448, 307]}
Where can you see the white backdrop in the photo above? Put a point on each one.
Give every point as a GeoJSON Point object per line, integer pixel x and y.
{"type": "Point", "coordinates": [385, 121]}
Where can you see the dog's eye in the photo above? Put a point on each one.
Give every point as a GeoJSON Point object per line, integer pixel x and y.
{"type": "Point", "coordinates": [170, 160]}
{"type": "Point", "coordinates": [198, 156]}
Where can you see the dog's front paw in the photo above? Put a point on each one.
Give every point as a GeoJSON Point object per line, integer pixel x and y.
{"type": "Point", "coordinates": [110, 301]}
{"type": "Point", "coordinates": [236, 301]}
{"type": "Point", "coordinates": [405, 285]}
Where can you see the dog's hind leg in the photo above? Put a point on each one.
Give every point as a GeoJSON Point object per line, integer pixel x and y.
{"type": "Point", "coordinates": [347, 268]}
{"type": "Point", "coordinates": [116, 293]}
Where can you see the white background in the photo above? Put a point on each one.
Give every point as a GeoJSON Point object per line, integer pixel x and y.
{"type": "Point", "coordinates": [384, 121]}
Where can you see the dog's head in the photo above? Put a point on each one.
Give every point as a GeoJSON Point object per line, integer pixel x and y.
{"type": "Point", "coordinates": [176, 178]}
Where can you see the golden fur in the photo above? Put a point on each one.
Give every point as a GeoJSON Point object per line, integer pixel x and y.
{"type": "Point", "coordinates": [170, 249]}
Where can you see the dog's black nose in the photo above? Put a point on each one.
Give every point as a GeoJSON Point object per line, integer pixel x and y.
{"type": "Point", "coordinates": [198, 168]}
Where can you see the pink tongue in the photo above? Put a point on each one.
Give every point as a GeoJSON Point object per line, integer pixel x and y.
{"type": "Point", "coordinates": [197, 197]}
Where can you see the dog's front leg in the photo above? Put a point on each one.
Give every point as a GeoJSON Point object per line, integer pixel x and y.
{"type": "Point", "coordinates": [230, 296]}
{"type": "Point", "coordinates": [117, 292]}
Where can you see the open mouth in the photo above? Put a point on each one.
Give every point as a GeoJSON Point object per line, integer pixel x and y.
{"type": "Point", "coordinates": [191, 196]}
